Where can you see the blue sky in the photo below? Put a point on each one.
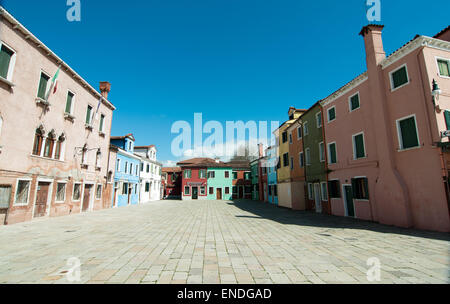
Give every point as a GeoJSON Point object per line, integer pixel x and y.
{"type": "Point", "coordinates": [228, 59]}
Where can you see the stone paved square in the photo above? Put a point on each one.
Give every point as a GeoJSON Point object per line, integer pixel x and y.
{"type": "Point", "coordinates": [216, 242]}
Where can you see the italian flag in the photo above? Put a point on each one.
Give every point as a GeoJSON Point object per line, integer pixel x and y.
{"type": "Point", "coordinates": [54, 85]}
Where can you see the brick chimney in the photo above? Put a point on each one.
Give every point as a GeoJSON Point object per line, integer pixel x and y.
{"type": "Point", "coordinates": [261, 150]}
{"type": "Point", "coordinates": [105, 88]}
{"type": "Point", "coordinates": [374, 44]}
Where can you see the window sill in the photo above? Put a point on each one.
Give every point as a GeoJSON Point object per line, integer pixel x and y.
{"type": "Point", "coordinates": [399, 87]}
{"type": "Point", "coordinates": [98, 169]}
{"type": "Point", "coordinates": [69, 117]}
{"type": "Point", "coordinates": [7, 82]}
{"type": "Point", "coordinates": [89, 127]}
{"type": "Point", "coordinates": [46, 158]}
{"type": "Point", "coordinates": [42, 102]}
{"type": "Point", "coordinates": [84, 166]}
{"type": "Point", "coordinates": [102, 134]}
{"type": "Point", "coordinates": [409, 149]}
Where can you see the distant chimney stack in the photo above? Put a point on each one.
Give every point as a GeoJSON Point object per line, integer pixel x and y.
{"type": "Point", "coordinates": [374, 44]}
{"type": "Point", "coordinates": [105, 88]}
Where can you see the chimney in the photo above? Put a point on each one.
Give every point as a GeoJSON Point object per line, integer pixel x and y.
{"type": "Point", "coordinates": [374, 44]}
{"type": "Point", "coordinates": [105, 88]}
{"type": "Point", "coordinates": [261, 152]}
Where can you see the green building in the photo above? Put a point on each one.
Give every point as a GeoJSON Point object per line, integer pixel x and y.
{"type": "Point", "coordinates": [254, 169]}
{"type": "Point", "coordinates": [220, 182]}
{"type": "Point", "coordinates": [315, 160]}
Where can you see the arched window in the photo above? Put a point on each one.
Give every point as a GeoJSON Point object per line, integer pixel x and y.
{"type": "Point", "coordinates": [58, 147]}
{"type": "Point", "coordinates": [49, 144]}
{"type": "Point", "coordinates": [38, 138]}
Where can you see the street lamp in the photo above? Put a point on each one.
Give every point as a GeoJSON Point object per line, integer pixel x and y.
{"type": "Point", "coordinates": [435, 93]}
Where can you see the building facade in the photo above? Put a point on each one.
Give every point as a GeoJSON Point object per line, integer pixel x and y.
{"type": "Point", "coordinates": [220, 182]}
{"type": "Point", "coordinates": [194, 178]}
{"type": "Point", "coordinates": [285, 140]}
{"type": "Point", "coordinates": [297, 165]}
{"type": "Point", "coordinates": [315, 160]}
{"type": "Point", "coordinates": [272, 164]}
{"type": "Point", "coordinates": [242, 180]}
{"type": "Point", "coordinates": [254, 169]}
{"type": "Point", "coordinates": [54, 142]}
{"type": "Point", "coordinates": [385, 135]}
{"type": "Point", "coordinates": [150, 175]}
{"type": "Point", "coordinates": [127, 172]}
{"type": "Point", "coordinates": [171, 180]}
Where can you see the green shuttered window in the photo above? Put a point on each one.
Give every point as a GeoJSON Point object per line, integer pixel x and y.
{"type": "Point", "coordinates": [408, 133]}
{"type": "Point", "coordinates": [354, 102]}
{"type": "Point", "coordinates": [399, 77]}
{"type": "Point", "coordinates": [447, 119]}
{"type": "Point", "coordinates": [69, 103]}
{"type": "Point", "coordinates": [360, 188]}
{"type": "Point", "coordinates": [88, 115]}
{"type": "Point", "coordinates": [358, 146]}
{"type": "Point", "coordinates": [331, 114]}
{"type": "Point", "coordinates": [43, 86]}
{"type": "Point", "coordinates": [332, 153]}
{"type": "Point", "coordinates": [444, 69]}
{"type": "Point", "coordinates": [5, 60]}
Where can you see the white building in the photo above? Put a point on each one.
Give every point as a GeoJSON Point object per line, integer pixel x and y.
{"type": "Point", "coordinates": [150, 177]}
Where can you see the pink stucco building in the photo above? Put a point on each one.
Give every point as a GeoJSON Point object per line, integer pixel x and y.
{"type": "Point", "coordinates": [54, 147]}
{"type": "Point", "coordinates": [387, 155]}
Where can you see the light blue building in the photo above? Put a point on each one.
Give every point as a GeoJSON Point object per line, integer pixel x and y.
{"type": "Point", "coordinates": [126, 177]}
{"type": "Point", "coordinates": [272, 164]}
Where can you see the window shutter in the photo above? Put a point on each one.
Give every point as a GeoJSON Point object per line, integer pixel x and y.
{"type": "Point", "coordinates": [42, 86]}
{"type": "Point", "coordinates": [400, 77]}
{"type": "Point", "coordinates": [443, 68]}
{"type": "Point", "coordinates": [409, 134]}
{"type": "Point", "coordinates": [69, 102]}
{"type": "Point", "coordinates": [447, 119]}
{"type": "Point", "coordinates": [366, 188]}
{"type": "Point", "coordinates": [359, 145]}
{"type": "Point", "coordinates": [5, 59]}
{"type": "Point", "coordinates": [355, 102]}
{"type": "Point", "coordinates": [354, 188]}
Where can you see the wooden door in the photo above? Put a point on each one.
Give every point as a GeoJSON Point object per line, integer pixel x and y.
{"type": "Point", "coordinates": [219, 194]}
{"type": "Point", "coordinates": [241, 191]}
{"type": "Point", "coordinates": [87, 197]}
{"type": "Point", "coordinates": [40, 209]}
{"type": "Point", "coordinates": [194, 193]}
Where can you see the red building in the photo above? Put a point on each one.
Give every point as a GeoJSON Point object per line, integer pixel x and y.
{"type": "Point", "coordinates": [194, 181]}
{"type": "Point", "coordinates": [242, 180]}
{"type": "Point", "coordinates": [171, 182]}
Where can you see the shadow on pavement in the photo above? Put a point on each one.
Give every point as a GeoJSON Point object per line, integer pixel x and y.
{"type": "Point", "coordinates": [261, 210]}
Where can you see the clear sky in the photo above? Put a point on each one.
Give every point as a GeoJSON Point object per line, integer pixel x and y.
{"type": "Point", "coordinates": [228, 59]}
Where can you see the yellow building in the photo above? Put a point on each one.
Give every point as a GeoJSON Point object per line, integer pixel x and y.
{"type": "Point", "coordinates": [284, 160]}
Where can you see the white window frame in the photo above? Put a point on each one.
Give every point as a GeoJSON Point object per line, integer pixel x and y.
{"type": "Point", "coordinates": [305, 129]}
{"type": "Point", "coordinates": [437, 66]}
{"type": "Point", "coordinates": [101, 128]}
{"type": "Point", "coordinates": [91, 118]}
{"type": "Point", "coordinates": [72, 108]}
{"type": "Point", "coordinates": [12, 63]}
{"type": "Point", "coordinates": [322, 144]}
{"type": "Point", "coordinates": [308, 156]}
{"type": "Point", "coordinates": [399, 134]}
{"type": "Point", "coordinates": [65, 192]}
{"type": "Point", "coordinates": [292, 163]}
{"type": "Point", "coordinates": [329, 153]}
{"type": "Point", "coordinates": [354, 146]}
{"type": "Point", "coordinates": [299, 134]}
{"type": "Point", "coordinates": [15, 192]}
{"type": "Point", "coordinates": [184, 191]}
{"type": "Point", "coordinates": [291, 141]}
{"type": "Point", "coordinates": [302, 165]}
{"type": "Point", "coordinates": [350, 102]}
{"type": "Point", "coordinates": [324, 198]}
{"type": "Point", "coordinates": [392, 80]}
{"type": "Point", "coordinates": [328, 114]}
{"type": "Point", "coordinates": [319, 114]}
{"type": "Point", "coordinates": [81, 191]}
{"type": "Point", "coordinates": [310, 191]}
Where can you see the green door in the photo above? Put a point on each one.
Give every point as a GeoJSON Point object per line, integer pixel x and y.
{"type": "Point", "coordinates": [194, 193]}
{"type": "Point", "coordinates": [349, 201]}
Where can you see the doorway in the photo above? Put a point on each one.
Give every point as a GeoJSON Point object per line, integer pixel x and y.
{"type": "Point", "coordinates": [348, 200]}
{"type": "Point", "coordinates": [40, 209]}
{"type": "Point", "coordinates": [87, 197]}
{"type": "Point", "coordinates": [317, 198]}
{"type": "Point", "coordinates": [194, 193]}
{"type": "Point", "coordinates": [219, 194]}
{"type": "Point", "coordinates": [241, 191]}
